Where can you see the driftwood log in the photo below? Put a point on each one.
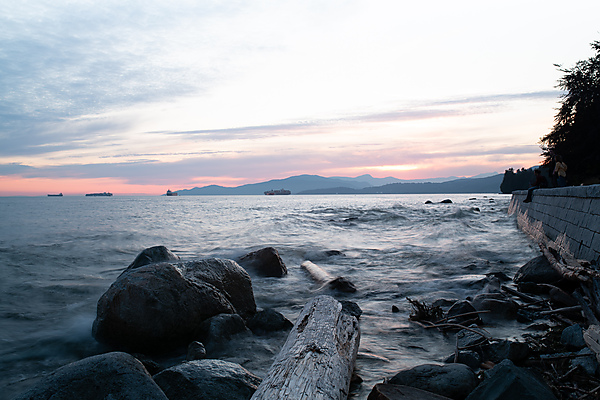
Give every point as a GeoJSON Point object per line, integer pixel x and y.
{"type": "Point", "coordinates": [317, 359]}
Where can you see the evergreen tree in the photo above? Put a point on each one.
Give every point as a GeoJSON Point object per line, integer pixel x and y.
{"type": "Point", "coordinates": [576, 132]}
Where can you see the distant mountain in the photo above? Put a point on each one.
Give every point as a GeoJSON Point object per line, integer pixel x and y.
{"type": "Point", "coordinates": [315, 184]}
{"type": "Point", "coordinates": [490, 184]}
{"type": "Point", "coordinates": [295, 184]}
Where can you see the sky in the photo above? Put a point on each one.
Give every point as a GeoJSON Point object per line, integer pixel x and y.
{"type": "Point", "coordinates": [137, 97]}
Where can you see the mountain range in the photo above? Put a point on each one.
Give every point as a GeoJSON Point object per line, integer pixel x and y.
{"type": "Point", "coordinates": [364, 184]}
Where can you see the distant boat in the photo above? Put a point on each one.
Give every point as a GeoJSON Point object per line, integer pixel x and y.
{"type": "Point", "coordinates": [99, 194]}
{"type": "Point", "coordinates": [277, 192]}
{"type": "Point", "coordinates": [169, 193]}
{"type": "Point", "coordinates": [55, 195]}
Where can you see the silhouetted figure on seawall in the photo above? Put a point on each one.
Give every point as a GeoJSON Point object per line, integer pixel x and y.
{"type": "Point", "coordinates": [560, 171]}
{"type": "Point", "coordinates": [540, 182]}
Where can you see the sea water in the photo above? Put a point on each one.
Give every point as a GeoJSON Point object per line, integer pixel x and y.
{"type": "Point", "coordinates": [59, 254]}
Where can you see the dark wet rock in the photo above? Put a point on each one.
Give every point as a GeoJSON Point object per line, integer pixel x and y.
{"type": "Point", "coordinates": [220, 328]}
{"type": "Point", "coordinates": [453, 380]}
{"type": "Point", "coordinates": [462, 307]}
{"type": "Point", "coordinates": [572, 337]}
{"type": "Point", "coordinates": [351, 308]}
{"type": "Point", "coordinates": [153, 255]}
{"type": "Point", "coordinates": [333, 253]}
{"type": "Point", "coordinates": [559, 296]}
{"type": "Point", "coordinates": [266, 262]}
{"type": "Point", "coordinates": [196, 351]}
{"type": "Point", "coordinates": [490, 284]}
{"type": "Point", "coordinates": [470, 358]}
{"type": "Point", "coordinates": [468, 337]}
{"type": "Point", "coordinates": [269, 320]}
{"type": "Point", "coordinates": [500, 275]}
{"type": "Point", "coordinates": [444, 303]}
{"type": "Point", "coordinates": [505, 349]}
{"type": "Point", "coordinates": [506, 381]}
{"type": "Point", "coordinates": [589, 364]}
{"type": "Point", "coordinates": [150, 364]}
{"type": "Point", "coordinates": [385, 391]}
{"type": "Point", "coordinates": [497, 305]}
{"type": "Point", "coordinates": [428, 202]}
{"type": "Point", "coordinates": [537, 270]}
{"type": "Point", "coordinates": [342, 284]}
{"type": "Point", "coordinates": [159, 307]}
{"type": "Point", "coordinates": [446, 201]}
{"type": "Point", "coordinates": [106, 376]}
{"type": "Point", "coordinates": [395, 309]}
{"type": "Point", "coordinates": [208, 379]}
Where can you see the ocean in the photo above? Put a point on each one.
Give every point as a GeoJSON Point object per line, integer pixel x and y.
{"type": "Point", "coordinates": [59, 254]}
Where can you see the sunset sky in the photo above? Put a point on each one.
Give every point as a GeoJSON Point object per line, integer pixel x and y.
{"type": "Point", "coordinates": [135, 97]}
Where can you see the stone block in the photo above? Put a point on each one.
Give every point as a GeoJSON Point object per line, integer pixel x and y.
{"type": "Point", "coordinates": [586, 237]}
{"type": "Point", "coordinates": [593, 191]}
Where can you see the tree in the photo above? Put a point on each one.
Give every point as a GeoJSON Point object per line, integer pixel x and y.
{"type": "Point", "coordinates": [576, 132]}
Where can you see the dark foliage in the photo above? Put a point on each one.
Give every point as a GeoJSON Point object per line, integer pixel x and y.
{"type": "Point", "coordinates": [519, 180]}
{"type": "Point", "coordinates": [576, 133]}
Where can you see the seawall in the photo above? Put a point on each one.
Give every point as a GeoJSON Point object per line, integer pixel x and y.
{"type": "Point", "coordinates": [569, 216]}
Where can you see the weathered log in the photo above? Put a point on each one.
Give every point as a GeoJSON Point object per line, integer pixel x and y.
{"type": "Point", "coordinates": [592, 339]}
{"type": "Point", "coordinates": [317, 359]}
{"type": "Point", "coordinates": [520, 295]}
{"type": "Point", "coordinates": [568, 267]}
{"type": "Point", "coordinates": [561, 310]}
{"type": "Point", "coordinates": [324, 278]}
{"type": "Point", "coordinates": [587, 311]}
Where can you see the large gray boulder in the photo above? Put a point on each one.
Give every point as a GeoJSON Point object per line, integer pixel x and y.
{"type": "Point", "coordinates": [537, 270]}
{"type": "Point", "coordinates": [158, 307]}
{"type": "Point", "coordinates": [153, 255]}
{"type": "Point", "coordinates": [207, 380]}
{"type": "Point", "coordinates": [265, 262]}
{"type": "Point", "coordinates": [506, 381]}
{"type": "Point", "coordinates": [106, 376]}
{"type": "Point", "coordinates": [452, 380]}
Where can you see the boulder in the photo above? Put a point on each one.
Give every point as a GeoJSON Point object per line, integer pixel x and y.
{"type": "Point", "coordinates": [207, 380]}
{"type": "Point", "coordinates": [269, 320]}
{"type": "Point", "coordinates": [462, 307]}
{"type": "Point", "coordinates": [159, 307]}
{"type": "Point", "coordinates": [153, 255]}
{"type": "Point", "coordinates": [537, 270]}
{"type": "Point", "coordinates": [505, 349]}
{"type": "Point", "coordinates": [342, 284]}
{"type": "Point", "coordinates": [351, 308]}
{"type": "Point", "coordinates": [572, 337]}
{"type": "Point", "coordinates": [453, 380]}
{"type": "Point", "coordinates": [220, 328]}
{"type": "Point", "coordinates": [506, 381]}
{"type": "Point", "coordinates": [384, 391]}
{"type": "Point", "coordinates": [498, 306]}
{"type": "Point", "coordinates": [266, 262]}
{"type": "Point", "coordinates": [196, 351]}
{"type": "Point", "coordinates": [470, 358]}
{"type": "Point", "coordinates": [467, 338]}
{"type": "Point", "coordinates": [107, 376]}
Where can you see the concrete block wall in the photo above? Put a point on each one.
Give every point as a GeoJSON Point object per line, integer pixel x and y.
{"type": "Point", "coordinates": [570, 215]}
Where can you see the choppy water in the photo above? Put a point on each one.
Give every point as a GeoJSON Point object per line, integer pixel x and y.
{"type": "Point", "coordinates": [58, 255]}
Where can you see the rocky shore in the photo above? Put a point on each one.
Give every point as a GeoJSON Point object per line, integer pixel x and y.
{"type": "Point", "coordinates": [162, 305]}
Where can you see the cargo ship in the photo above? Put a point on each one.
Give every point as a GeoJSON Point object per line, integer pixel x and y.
{"type": "Point", "coordinates": [169, 193]}
{"type": "Point", "coordinates": [99, 194]}
{"type": "Point", "coordinates": [55, 195]}
{"type": "Point", "coordinates": [277, 192]}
